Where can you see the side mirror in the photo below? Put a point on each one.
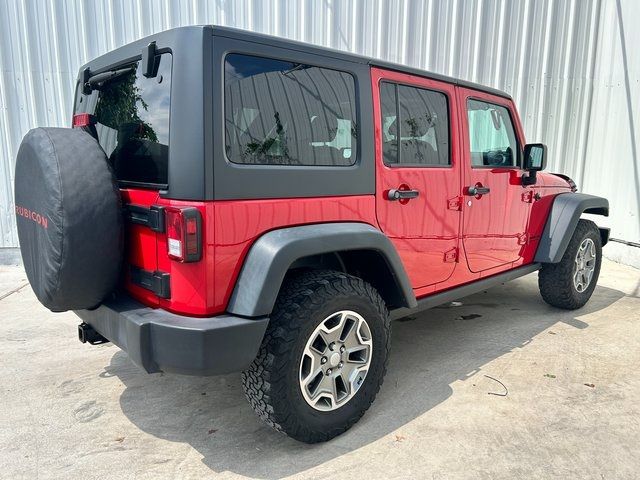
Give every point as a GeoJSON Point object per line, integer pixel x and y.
{"type": "Point", "coordinates": [535, 159]}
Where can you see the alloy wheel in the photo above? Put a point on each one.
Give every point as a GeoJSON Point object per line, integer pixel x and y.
{"type": "Point", "coordinates": [335, 360]}
{"type": "Point", "coordinates": [584, 265]}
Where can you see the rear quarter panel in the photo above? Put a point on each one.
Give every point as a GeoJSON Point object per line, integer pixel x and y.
{"type": "Point", "coordinates": [237, 224]}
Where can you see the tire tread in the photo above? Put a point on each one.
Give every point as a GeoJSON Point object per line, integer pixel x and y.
{"type": "Point", "coordinates": [264, 381]}
{"type": "Point", "coordinates": [555, 280]}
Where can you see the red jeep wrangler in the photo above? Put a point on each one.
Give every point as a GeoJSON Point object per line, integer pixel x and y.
{"type": "Point", "coordinates": [228, 201]}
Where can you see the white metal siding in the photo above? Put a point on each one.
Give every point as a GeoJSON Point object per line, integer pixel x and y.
{"type": "Point", "coordinates": [575, 78]}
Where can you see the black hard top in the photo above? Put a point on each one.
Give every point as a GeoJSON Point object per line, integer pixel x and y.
{"type": "Point", "coordinates": [106, 61]}
{"type": "Point", "coordinates": [248, 36]}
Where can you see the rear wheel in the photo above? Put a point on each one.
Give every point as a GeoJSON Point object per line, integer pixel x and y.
{"type": "Point", "coordinates": [570, 283]}
{"type": "Point", "coordinates": [323, 358]}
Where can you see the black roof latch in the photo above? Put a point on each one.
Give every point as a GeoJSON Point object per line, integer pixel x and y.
{"type": "Point", "coordinates": [150, 61]}
{"type": "Point", "coordinates": [86, 75]}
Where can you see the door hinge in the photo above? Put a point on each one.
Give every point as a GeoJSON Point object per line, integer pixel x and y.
{"type": "Point", "coordinates": [454, 203]}
{"type": "Point", "coordinates": [152, 217]}
{"type": "Point", "coordinates": [155, 281]}
{"type": "Point", "coordinates": [523, 239]}
{"type": "Point", "coordinates": [527, 197]}
{"type": "Point", "coordinates": [451, 256]}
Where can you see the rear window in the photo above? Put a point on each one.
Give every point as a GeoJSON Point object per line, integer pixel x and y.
{"type": "Point", "coordinates": [132, 114]}
{"type": "Point", "coordinates": [284, 113]}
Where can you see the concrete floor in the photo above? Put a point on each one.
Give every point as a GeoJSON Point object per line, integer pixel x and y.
{"type": "Point", "coordinates": [69, 410]}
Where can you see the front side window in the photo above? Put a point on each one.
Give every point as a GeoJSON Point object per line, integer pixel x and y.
{"type": "Point", "coordinates": [132, 121]}
{"type": "Point", "coordinates": [492, 137]}
{"type": "Point", "coordinates": [415, 126]}
{"type": "Point", "coordinates": [284, 113]}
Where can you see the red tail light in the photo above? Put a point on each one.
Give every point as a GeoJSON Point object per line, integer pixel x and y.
{"type": "Point", "coordinates": [184, 238]}
{"type": "Point", "coordinates": [83, 120]}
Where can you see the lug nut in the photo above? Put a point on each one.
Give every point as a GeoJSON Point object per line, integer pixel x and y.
{"type": "Point", "coordinates": [328, 371]}
{"type": "Point", "coordinates": [342, 349]}
{"type": "Point", "coordinates": [332, 346]}
{"type": "Point", "coordinates": [340, 365]}
{"type": "Point", "coordinates": [323, 360]}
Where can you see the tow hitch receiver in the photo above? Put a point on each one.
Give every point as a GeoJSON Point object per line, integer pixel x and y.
{"type": "Point", "coordinates": [86, 334]}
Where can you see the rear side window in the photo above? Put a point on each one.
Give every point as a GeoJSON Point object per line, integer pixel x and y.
{"type": "Point", "coordinates": [415, 126]}
{"type": "Point", "coordinates": [284, 113]}
{"type": "Point", "coordinates": [132, 121]}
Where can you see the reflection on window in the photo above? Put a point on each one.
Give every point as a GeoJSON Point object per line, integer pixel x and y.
{"type": "Point", "coordinates": [132, 114]}
{"type": "Point", "coordinates": [423, 126]}
{"type": "Point", "coordinates": [491, 135]}
{"type": "Point", "coordinates": [283, 113]}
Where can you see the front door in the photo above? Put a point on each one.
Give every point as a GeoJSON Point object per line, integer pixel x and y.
{"type": "Point", "coordinates": [496, 205]}
{"type": "Point", "coordinates": [417, 172]}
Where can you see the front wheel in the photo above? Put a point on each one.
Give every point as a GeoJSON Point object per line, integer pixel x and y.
{"type": "Point", "coordinates": [323, 357]}
{"type": "Point", "coordinates": [570, 283]}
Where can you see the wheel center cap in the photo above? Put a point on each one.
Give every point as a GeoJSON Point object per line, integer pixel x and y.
{"type": "Point", "coordinates": [334, 359]}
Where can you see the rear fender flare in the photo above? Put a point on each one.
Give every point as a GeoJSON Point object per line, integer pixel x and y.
{"type": "Point", "coordinates": [273, 253]}
{"type": "Point", "coordinates": [562, 221]}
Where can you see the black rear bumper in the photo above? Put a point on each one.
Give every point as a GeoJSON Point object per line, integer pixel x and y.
{"type": "Point", "coordinates": [160, 341]}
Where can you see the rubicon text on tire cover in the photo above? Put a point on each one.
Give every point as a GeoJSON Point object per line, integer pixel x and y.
{"type": "Point", "coordinates": [33, 216]}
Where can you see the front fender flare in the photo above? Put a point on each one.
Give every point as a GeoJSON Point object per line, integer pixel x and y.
{"type": "Point", "coordinates": [562, 220]}
{"type": "Point", "coordinates": [274, 252]}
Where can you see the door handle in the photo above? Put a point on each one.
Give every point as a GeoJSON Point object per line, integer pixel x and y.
{"type": "Point", "coordinates": [395, 194]}
{"type": "Point", "coordinates": [477, 190]}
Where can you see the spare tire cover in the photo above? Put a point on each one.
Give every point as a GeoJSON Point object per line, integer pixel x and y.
{"type": "Point", "coordinates": [69, 217]}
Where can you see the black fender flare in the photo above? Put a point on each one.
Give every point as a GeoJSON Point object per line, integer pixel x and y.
{"type": "Point", "coordinates": [562, 220]}
{"type": "Point", "coordinates": [272, 254]}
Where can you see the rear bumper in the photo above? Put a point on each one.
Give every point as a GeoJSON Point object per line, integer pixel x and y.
{"type": "Point", "coordinates": [160, 341]}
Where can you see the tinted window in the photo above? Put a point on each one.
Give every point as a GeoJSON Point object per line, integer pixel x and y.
{"type": "Point", "coordinates": [415, 126]}
{"type": "Point", "coordinates": [132, 114]}
{"type": "Point", "coordinates": [491, 135]}
{"type": "Point", "coordinates": [283, 113]}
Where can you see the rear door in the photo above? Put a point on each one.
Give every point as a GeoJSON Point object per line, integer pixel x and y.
{"type": "Point", "coordinates": [417, 172]}
{"type": "Point", "coordinates": [496, 209]}
{"type": "Point", "coordinates": [128, 113]}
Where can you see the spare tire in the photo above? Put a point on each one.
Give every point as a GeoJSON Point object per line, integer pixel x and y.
{"type": "Point", "coordinates": [69, 217]}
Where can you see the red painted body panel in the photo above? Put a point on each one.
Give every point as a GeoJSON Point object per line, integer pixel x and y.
{"type": "Point", "coordinates": [546, 188]}
{"type": "Point", "coordinates": [192, 284]}
{"type": "Point", "coordinates": [229, 229]}
{"type": "Point", "coordinates": [494, 225]}
{"type": "Point", "coordinates": [422, 229]}
{"type": "Point", "coordinates": [191, 291]}
{"type": "Point", "coordinates": [239, 223]}
{"type": "Point", "coordinates": [495, 233]}
{"type": "Point", "coordinates": [140, 244]}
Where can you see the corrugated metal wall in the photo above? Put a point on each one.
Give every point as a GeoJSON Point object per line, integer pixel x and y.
{"type": "Point", "coordinates": [567, 63]}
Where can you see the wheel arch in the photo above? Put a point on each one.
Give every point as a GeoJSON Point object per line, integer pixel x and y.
{"type": "Point", "coordinates": [562, 221]}
{"type": "Point", "coordinates": [349, 247]}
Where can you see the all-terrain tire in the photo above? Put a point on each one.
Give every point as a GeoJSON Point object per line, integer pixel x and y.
{"type": "Point", "coordinates": [556, 279]}
{"type": "Point", "coordinates": [271, 383]}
